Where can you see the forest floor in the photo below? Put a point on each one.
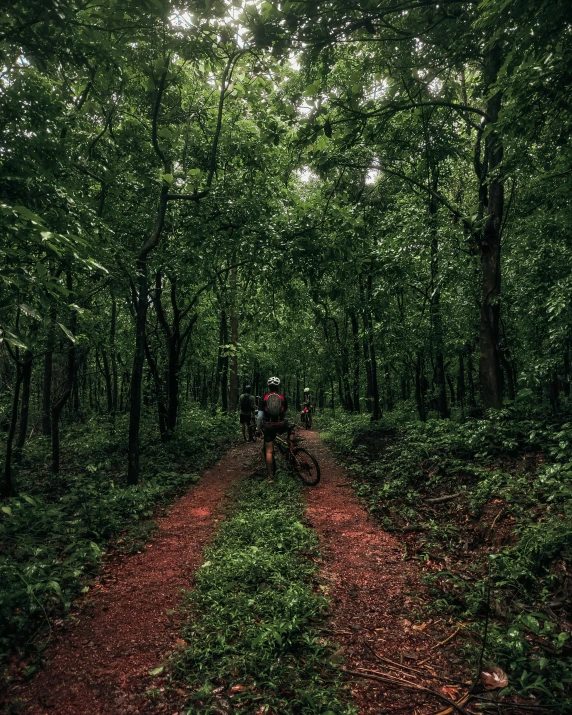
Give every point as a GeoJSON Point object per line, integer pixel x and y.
{"type": "Point", "coordinates": [102, 662]}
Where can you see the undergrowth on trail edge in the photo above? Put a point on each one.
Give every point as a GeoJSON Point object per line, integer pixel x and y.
{"type": "Point", "coordinates": [507, 524]}
{"type": "Point", "coordinates": [54, 534]}
{"type": "Point", "coordinates": [253, 638]}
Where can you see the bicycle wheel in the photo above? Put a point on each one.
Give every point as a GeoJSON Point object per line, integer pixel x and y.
{"type": "Point", "coordinates": [307, 467]}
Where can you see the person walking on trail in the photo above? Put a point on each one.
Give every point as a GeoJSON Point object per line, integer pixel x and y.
{"type": "Point", "coordinates": [272, 420]}
{"type": "Point", "coordinates": [247, 407]}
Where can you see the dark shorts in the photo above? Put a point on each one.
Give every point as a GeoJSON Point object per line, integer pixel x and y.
{"type": "Point", "coordinates": [270, 430]}
{"type": "Point", "coordinates": [245, 419]}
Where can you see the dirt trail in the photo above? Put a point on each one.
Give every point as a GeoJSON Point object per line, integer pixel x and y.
{"type": "Point", "coordinates": [100, 666]}
{"type": "Point", "coordinates": [374, 593]}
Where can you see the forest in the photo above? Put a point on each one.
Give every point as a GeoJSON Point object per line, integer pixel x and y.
{"type": "Point", "coordinates": [369, 198]}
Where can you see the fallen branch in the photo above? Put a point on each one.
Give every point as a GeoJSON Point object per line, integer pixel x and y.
{"type": "Point", "coordinates": [392, 680]}
{"type": "Point", "coordinates": [442, 500]}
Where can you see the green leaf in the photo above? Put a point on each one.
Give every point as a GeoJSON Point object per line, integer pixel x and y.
{"type": "Point", "coordinates": [28, 310]}
{"type": "Point", "coordinates": [168, 178]}
{"type": "Point", "coordinates": [7, 510]}
{"type": "Point", "coordinates": [67, 332]}
{"type": "Point", "coordinates": [157, 671]}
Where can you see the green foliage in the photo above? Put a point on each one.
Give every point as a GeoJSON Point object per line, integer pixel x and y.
{"type": "Point", "coordinates": [55, 532]}
{"type": "Point", "coordinates": [255, 611]}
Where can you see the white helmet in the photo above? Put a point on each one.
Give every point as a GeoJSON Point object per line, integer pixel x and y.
{"type": "Point", "coordinates": [306, 389]}
{"type": "Point", "coordinates": [273, 381]}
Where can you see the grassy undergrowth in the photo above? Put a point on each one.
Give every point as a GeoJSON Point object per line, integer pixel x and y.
{"type": "Point", "coordinates": [55, 532]}
{"type": "Point", "coordinates": [508, 526]}
{"type": "Point", "coordinates": [254, 614]}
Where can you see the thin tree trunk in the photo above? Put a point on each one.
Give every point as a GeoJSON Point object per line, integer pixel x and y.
{"type": "Point", "coordinates": [108, 381]}
{"type": "Point", "coordinates": [388, 388]}
{"type": "Point", "coordinates": [135, 401]}
{"type": "Point", "coordinates": [376, 413]}
{"type": "Point", "coordinates": [461, 381]}
{"type": "Point", "coordinates": [224, 362]}
{"type": "Point", "coordinates": [436, 318]}
{"type": "Point", "coordinates": [355, 335]}
{"type": "Point", "coordinates": [489, 334]}
{"type": "Point", "coordinates": [48, 372]}
{"type": "Point", "coordinates": [25, 411]}
{"type": "Point", "coordinates": [470, 371]}
{"type": "Point", "coordinates": [419, 388]}
{"type": "Point", "coordinates": [113, 351]}
{"type": "Point", "coordinates": [8, 485]}
{"type": "Point", "coordinates": [60, 404]}
{"type": "Point", "coordinates": [234, 340]}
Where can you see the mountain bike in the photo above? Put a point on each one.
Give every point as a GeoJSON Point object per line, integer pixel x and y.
{"type": "Point", "coordinates": [307, 418]}
{"type": "Point", "coordinates": [302, 462]}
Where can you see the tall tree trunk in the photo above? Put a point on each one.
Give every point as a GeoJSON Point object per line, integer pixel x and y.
{"type": "Point", "coordinates": [470, 375]}
{"type": "Point", "coordinates": [332, 394]}
{"type": "Point", "coordinates": [48, 372]}
{"type": "Point", "coordinates": [108, 381]}
{"type": "Point", "coordinates": [366, 355]}
{"type": "Point", "coordinates": [356, 347]}
{"type": "Point", "coordinates": [113, 351]}
{"type": "Point", "coordinates": [135, 398]}
{"type": "Point", "coordinates": [419, 388]}
{"type": "Point", "coordinates": [489, 333]}
{"type": "Point", "coordinates": [224, 362]}
{"type": "Point", "coordinates": [172, 383]}
{"type": "Point", "coordinates": [234, 340]}
{"type": "Point", "coordinates": [436, 317]}
{"type": "Point", "coordinates": [135, 401]}
{"type": "Point", "coordinates": [461, 381]}
{"type": "Point", "coordinates": [388, 388]}
{"type": "Point", "coordinates": [60, 404]}
{"type": "Point", "coordinates": [25, 411]}
{"type": "Point", "coordinates": [376, 412]}
{"type": "Point", "coordinates": [7, 487]}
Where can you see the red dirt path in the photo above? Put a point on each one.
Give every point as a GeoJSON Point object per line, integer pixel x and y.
{"type": "Point", "coordinates": [374, 593]}
{"type": "Point", "coordinates": [100, 665]}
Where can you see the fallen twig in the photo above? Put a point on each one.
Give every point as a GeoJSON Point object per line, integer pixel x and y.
{"type": "Point", "coordinates": [392, 680]}
{"type": "Point", "coordinates": [492, 526]}
{"type": "Point", "coordinates": [442, 500]}
{"type": "Point", "coordinates": [392, 663]}
{"type": "Point", "coordinates": [449, 710]}
{"type": "Point", "coordinates": [449, 638]}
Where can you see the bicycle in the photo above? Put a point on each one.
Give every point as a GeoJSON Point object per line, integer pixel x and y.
{"type": "Point", "coordinates": [307, 418]}
{"type": "Point", "coordinates": [303, 462]}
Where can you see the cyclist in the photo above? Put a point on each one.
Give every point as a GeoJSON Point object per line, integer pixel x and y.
{"type": "Point", "coordinates": [307, 407]}
{"type": "Point", "coordinates": [247, 406]}
{"type": "Point", "coordinates": [272, 419]}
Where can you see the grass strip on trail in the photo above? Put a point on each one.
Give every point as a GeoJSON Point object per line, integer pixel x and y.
{"type": "Point", "coordinates": [253, 616]}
